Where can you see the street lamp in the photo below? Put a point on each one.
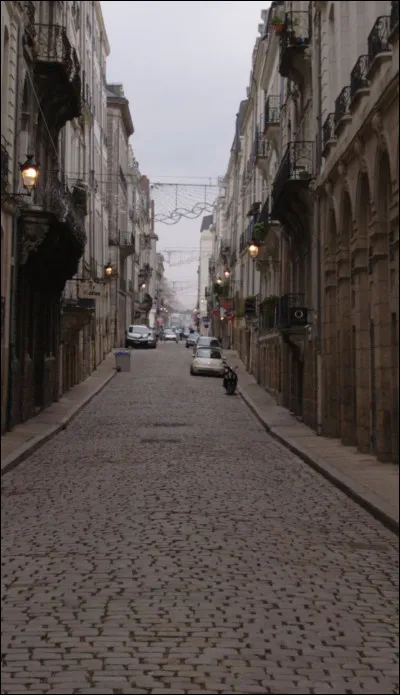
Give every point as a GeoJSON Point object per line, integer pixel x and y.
{"type": "Point", "coordinates": [253, 250]}
{"type": "Point", "coordinates": [108, 269]}
{"type": "Point", "coordinates": [29, 173]}
{"type": "Point", "coordinates": [227, 273]}
{"type": "Point", "coordinates": [219, 281]}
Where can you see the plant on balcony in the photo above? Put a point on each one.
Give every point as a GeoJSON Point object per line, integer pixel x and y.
{"type": "Point", "coordinates": [279, 24]}
{"type": "Point", "coordinates": [258, 231]}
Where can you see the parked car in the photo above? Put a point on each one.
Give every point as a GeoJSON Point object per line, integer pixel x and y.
{"type": "Point", "coordinates": [208, 360]}
{"type": "Point", "coordinates": [170, 335]}
{"type": "Point", "coordinates": [205, 341]}
{"type": "Point", "coordinates": [152, 339]}
{"type": "Point", "coordinates": [192, 339]}
{"type": "Point", "coordinates": [139, 336]}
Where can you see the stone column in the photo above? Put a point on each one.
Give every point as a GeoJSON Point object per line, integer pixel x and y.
{"type": "Point", "coordinates": [347, 409]}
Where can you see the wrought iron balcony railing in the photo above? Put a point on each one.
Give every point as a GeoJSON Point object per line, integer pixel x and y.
{"type": "Point", "coordinates": [394, 15]}
{"type": "Point", "coordinates": [5, 161]}
{"type": "Point", "coordinates": [30, 29]}
{"type": "Point", "coordinates": [342, 105]}
{"type": "Point", "coordinates": [127, 239]}
{"type": "Point", "coordinates": [56, 198]}
{"type": "Point", "coordinates": [297, 165]}
{"type": "Point", "coordinates": [328, 132]}
{"type": "Point", "coordinates": [272, 111]}
{"type": "Point", "coordinates": [378, 39]}
{"type": "Point", "coordinates": [52, 46]}
{"type": "Point", "coordinates": [358, 76]}
{"type": "Point", "coordinates": [297, 29]}
{"type": "Point", "coordinates": [261, 147]}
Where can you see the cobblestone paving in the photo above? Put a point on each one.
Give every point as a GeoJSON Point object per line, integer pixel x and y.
{"type": "Point", "coordinates": [165, 543]}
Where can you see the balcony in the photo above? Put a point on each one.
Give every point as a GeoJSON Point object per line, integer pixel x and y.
{"type": "Point", "coordinates": [59, 74]}
{"type": "Point", "coordinates": [359, 82]}
{"type": "Point", "coordinates": [272, 112]}
{"type": "Point", "coordinates": [379, 48]}
{"type": "Point", "coordinates": [126, 244]}
{"type": "Point", "coordinates": [342, 109]}
{"type": "Point", "coordinates": [294, 175]}
{"type": "Point", "coordinates": [261, 153]}
{"type": "Point", "coordinates": [328, 134]}
{"type": "Point", "coordinates": [292, 312]}
{"type": "Point", "coordinates": [394, 21]}
{"type": "Point", "coordinates": [53, 235]}
{"type": "Point", "coordinates": [294, 46]}
{"type": "Point", "coordinates": [5, 164]}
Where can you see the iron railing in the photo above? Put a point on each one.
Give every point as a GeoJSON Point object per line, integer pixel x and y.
{"type": "Point", "coordinates": [297, 32]}
{"type": "Point", "coordinates": [296, 165]}
{"type": "Point", "coordinates": [5, 161]}
{"type": "Point", "coordinates": [261, 147]}
{"type": "Point", "coordinates": [358, 76]}
{"type": "Point", "coordinates": [394, 15]}
{"type": "Point", "coordinates": [378, 39]}
{"type": "Point", "coordinates": [55, 197]}
{"type": "Point", "coordinates": [328, 131]}
{"type": "Point", "coordinates": [272, 111]}
{"type": "Point", "coordinates": [52, 45]}
{"type": "Point", "coordinates": [126, 239]}
{"type": "Point", "coordinates": [342, 105]}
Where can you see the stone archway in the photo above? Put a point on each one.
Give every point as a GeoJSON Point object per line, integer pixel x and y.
{"type": "Point", "coordinates": [381, 335]}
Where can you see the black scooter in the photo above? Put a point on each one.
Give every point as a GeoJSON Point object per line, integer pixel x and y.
{"type": "Point", "coordinates": [230, 380]}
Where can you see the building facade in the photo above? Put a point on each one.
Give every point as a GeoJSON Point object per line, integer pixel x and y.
{"type": "Point", "coordinates": [71, 249]}
{"type": "Point", "coordinates": [313, 223]}
{"type": "Point", "coordinates": [206, 249]}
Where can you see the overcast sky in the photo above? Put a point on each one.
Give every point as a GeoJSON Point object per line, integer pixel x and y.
{"type": "Point", "coordinates": [185, 67]}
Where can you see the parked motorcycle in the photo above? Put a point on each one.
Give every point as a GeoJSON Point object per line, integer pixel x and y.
{"type": "Point", "coordinates": [230, 380]}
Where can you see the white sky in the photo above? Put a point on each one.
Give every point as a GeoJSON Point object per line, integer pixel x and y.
{"type": "Point", "coordinates": [185, 67]}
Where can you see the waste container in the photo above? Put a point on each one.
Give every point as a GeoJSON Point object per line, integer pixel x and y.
{"type": "Point", "coordinates": [123, 360]}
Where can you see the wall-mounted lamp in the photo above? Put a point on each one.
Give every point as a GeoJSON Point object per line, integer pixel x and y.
{"type": "Point", "coordinates": [227, 273]}
{"type": "Point", "coordinates": [253, 250]}
{"type": "Point", "coordinates": [108, 270]}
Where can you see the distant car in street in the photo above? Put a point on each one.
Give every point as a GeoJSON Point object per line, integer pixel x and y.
{"type": "Point", "coordinates": [170, 335]}
{"type": "Point", "coordinates": [139, 336]}
{"type": "Point", "coordinates": [192, 339]}
{"type": "Point", "coordinates": [208, 360]}
{"type": "Point", "coordinates": [186, 333]}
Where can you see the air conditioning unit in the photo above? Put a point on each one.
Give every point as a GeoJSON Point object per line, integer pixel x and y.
{"type": "Point", "coordinates": [298, 316]}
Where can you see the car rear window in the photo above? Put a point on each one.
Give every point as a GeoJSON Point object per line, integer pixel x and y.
{"type": "Point", "coordinates": [209, 353]}
{"type": "Point", "coordinates": [138, 329]}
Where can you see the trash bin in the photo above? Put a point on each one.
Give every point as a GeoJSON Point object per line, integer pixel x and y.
{"type": "Point", "coordinates": [123, 360]}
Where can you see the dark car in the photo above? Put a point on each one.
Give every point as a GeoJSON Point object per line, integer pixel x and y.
{"type": "Point", "coordinates": [192, 339]}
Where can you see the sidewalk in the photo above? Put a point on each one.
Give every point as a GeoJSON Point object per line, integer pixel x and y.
{"type": "Point", "coordinates": [24, 439]}
{"type": "Point", "coordinates": [372, 484]}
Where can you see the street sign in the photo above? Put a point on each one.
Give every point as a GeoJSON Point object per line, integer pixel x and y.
{"type": "Point", "coordinates": [87, 289]}
{"type": "Point", "coordinates": [206, 319]}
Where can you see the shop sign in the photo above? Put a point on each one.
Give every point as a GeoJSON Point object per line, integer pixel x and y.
{"type": "Point", "coordinates": [89, 289]}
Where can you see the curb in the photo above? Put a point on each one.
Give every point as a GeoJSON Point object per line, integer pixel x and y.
{"type": "Point", "coordinates": [373, 509]}
{"type": "Point", "coordinates": [14, 459]}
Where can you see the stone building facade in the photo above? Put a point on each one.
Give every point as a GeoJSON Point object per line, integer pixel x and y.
{"type": "Point", "coordinates": [358, 189]}
{"type": "Point", "coordinates": [316, 314]}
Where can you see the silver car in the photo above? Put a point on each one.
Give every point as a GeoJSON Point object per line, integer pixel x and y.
{"type": "Point", "coordinates": [138, 336]}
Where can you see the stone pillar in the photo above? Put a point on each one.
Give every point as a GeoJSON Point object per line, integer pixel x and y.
{"type": "Point", "coordinates": [330, 372]}
{"type": "Point", "coordinates": [346, 389]}
{"type": "Point", "coordinates": [361, 317]}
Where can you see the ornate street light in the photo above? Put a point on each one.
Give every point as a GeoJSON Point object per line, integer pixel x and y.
{"type": "Point", "coordinates": [29, 173]}
{"type": "Point", "coordinates": [108, 270]}
{"type": "Point", "coordinates": [219, 281]}
{"type": "Point", "coordinates": [253, 249]}
{"type": "Point", "coordinates": [227, 273]}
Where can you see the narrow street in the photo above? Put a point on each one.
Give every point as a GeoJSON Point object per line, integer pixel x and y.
{"type": "Point", "coordinates": [166, 543]}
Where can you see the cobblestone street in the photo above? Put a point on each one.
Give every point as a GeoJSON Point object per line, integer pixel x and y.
{"type": "Point", "coordinates": [165, 542]}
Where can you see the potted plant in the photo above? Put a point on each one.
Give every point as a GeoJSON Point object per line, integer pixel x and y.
{"type": "Point", "coordinates": [279, 24]}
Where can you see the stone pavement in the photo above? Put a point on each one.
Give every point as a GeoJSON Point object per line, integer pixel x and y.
{"type": "Point", "coordinates": [29, 436]}
{"type": "Point", "coordinates": [373, 484]}
{"type": "Point", "coordinates": [165, 542]}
